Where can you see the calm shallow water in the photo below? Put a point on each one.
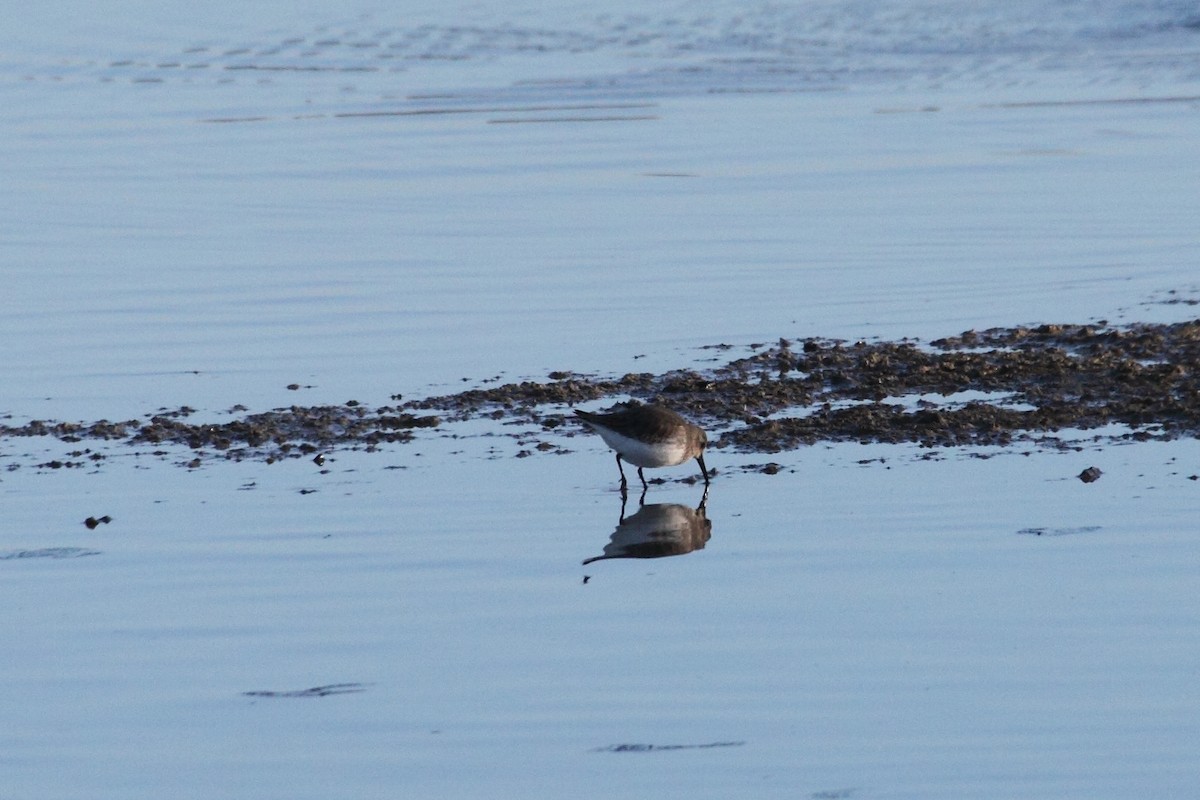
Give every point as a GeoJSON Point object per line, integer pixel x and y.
{"type": "Point", "coordinates": [610, 193]}
{"type": "Point", "coordinates": [882, 627]}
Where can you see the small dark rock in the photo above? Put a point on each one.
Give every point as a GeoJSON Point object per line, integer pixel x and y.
{"type": "Point", "coordinates": [1090, 475]}
{"type": "Point", "coordinates": [95, 522]}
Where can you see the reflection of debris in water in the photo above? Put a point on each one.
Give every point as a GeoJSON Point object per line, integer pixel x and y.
{"type": "Point", "coordinates": [1058, 531]}
{"type": "Point", "coordinates": [49, 552]}
{"type": "Point", "coordinates": [316, 691]}
{"type": "Point", "coordinates": [657, 748]}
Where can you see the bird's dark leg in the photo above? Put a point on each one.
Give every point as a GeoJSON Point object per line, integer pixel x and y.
{"type": "Point", "coordinates": [703, 469]}
{"type": "Point", "coordinates": [643, 477]}
{"type": "Point", "coordinates": [624, 485]}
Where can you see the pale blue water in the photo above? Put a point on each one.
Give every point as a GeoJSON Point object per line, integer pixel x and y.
{"type": "Point", "coordinates": [601, 191]}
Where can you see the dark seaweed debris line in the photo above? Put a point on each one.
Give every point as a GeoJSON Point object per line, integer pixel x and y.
{"type": "Point", "coordinates": [1031, 382]}
{"type": "Point", "coordinates": [1041, 380]}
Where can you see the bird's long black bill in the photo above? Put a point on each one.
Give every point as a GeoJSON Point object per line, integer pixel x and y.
{"type": "Point", "coordinates": [703, 469]}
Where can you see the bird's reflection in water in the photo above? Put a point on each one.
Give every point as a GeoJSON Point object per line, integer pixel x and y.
{"type": "Point", "coordinates": [657, 530]}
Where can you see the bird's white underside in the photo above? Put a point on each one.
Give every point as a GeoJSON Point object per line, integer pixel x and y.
{"type": "Point", "coordinates": [641, 454]}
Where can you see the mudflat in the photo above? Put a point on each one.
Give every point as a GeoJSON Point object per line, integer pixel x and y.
{"type": "Point", "coordinates": [991, 387]}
